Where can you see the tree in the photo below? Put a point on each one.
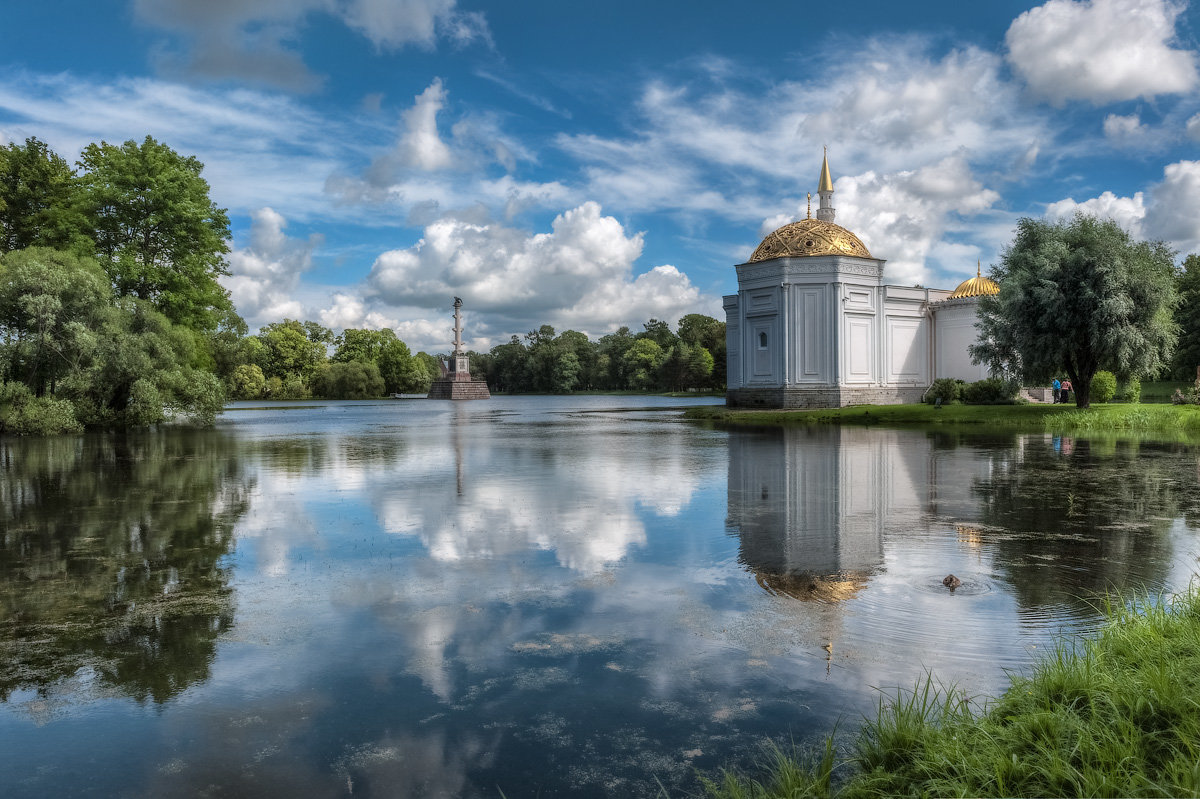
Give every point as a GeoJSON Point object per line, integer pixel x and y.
{"type": "Point", "coordinates": [39, 200]}
{"type": "Point", "coordinates": [1187, 316]}
{"type": "Point", "coordinates": [709, 333]}
{"type": "Point", "coordinates": [1078, 297]}
{"type": "Point", "coordinates": [158, 234]}
{"type": "Point", "coordinates": [348, 380]}
{"type": "Point", "coordinates": [289, 352]}
{"type": "Point", "coordinates": [642, 361]}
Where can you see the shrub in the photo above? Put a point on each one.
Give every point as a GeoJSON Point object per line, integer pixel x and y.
{"type": "Point", "coordinates": [949, 389]}
{"type": "Point", "coordinates": [23, 414]}
{"type": "Point", "coordinates": [990, 391]}
{"type": "Point", "coordinates": [1131, 391]}
{"type": "Point", "coordinates": [353, 380]}
{"type": "Point", "coordinates": [1104, 386]}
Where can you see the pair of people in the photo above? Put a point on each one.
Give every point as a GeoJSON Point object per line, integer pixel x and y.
{"type": "Point", "coordinates": [1062, 390]}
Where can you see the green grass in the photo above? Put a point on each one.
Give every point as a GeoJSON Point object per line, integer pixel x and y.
{"type": "Point", "coordinates": [1162, 390]}
{"type": "Point", "coordinates": [1172, 420]}
{"type": "Point", "coordinates": [1117, 714]}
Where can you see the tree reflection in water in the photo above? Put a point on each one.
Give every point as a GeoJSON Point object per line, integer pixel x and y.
{"type": "Point", "coordinates": [111, 560]}
{"type": "Point", "coordinates": [1071, 518]}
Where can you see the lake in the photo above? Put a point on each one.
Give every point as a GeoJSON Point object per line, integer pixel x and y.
{"type": "Point", "coordinates": [545, 596]}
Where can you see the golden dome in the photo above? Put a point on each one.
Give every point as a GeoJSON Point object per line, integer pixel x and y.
{"type": "Point", "coordinates": [975, 287]}
{"type": "Point", "coordinates": [809, 237]}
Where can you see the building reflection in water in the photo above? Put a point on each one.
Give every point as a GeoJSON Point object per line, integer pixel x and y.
{"type": "Point", "coordinates": [811, 505]}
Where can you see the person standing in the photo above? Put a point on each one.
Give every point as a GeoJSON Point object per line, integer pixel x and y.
{"type": "Point", "coordinates": [1056, 386]}
{"type": "Point", "coordinates": [1065, 392]}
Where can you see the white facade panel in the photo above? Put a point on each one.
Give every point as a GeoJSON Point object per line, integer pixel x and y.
{"type": "Point", "coordinates": [860, 349]}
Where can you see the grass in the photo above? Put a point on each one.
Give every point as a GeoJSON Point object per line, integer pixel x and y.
{"type": "Point", "coordinates": [1117, 714]}
{"type": "Point", "coordinates": [1174, 420]}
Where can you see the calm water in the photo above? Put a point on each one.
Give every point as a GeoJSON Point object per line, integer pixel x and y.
{"type": "Point", "coordinates": [549, 596]}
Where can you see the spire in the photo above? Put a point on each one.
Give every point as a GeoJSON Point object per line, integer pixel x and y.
{"type": "Point", "coordinates": [825, 191]}
{"type": "Point", "coordinates": [978, 268]}
{"type": "Point", "coordinates": [826, 182]}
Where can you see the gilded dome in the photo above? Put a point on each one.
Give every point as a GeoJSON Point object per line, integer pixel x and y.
{"type": "Point", "coordinates": [809, 237]}
{"type": "Point", "coordinates": [975, 287]}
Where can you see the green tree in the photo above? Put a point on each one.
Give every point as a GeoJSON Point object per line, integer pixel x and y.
{"type": "Point", "coordinates": [1078, 297]}
{"type": "Point", "coordinates": [612, 349]}
{"type": "Point", "coordinates": [158, 234]}
{"type": "Point", "coordinates": [288, 351]}
{"type": "Point", "coordinates": [348, 380]}
{"type": "Point", "coordinates": [248, 382]}
{"type": "Point", "coordinates": [709, 333]}
{"type": "Point", "coordinates": [51, 305]}
{"type": "Point", "coordinates": [642, 362]}
{"type": "Point", "coordinates": [1187, 316]}
{"type": "Point", "coordinates": [39, 200]}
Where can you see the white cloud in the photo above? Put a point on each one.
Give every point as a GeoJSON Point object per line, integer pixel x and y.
{"type": "Point", "coordinates": [1100, 50]}
{"type": "Point", "coordinates": [264, 276]}
{"type": "Point", "coordinates": [392, 24]}
{"type": "Point", "coordinates": [1175, 207]}
{"type": "Point", "coordinates": [1128, 212]}
{"type": "Point", "coordinates": [255, 39]}
{"type": "Point", "coordinates": [1124, 129]}
{"type": "Point", "coordinates": [1193, 128]}
{"type": "Point", "coordinates": [1169, 211]}
{"type": "Point", "coordinates": [902, 216]}
{"type": "Point", "coordinates": [579, 275]}
{"type": "Point", "coordinates": [420, 146]}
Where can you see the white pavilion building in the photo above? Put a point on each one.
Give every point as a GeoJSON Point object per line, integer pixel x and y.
{"type": "Point", "coordinates": [814, 326]}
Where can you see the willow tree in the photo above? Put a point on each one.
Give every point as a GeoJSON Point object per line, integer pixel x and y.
{"type": "Point", "coordinates": [1077, 297]}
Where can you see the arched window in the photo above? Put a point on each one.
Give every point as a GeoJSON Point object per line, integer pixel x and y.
{"type": "Point", "coordinates": [762, 340]}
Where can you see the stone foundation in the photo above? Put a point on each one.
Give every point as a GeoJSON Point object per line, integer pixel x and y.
{"type": "Point", "coordinates": [791, 397]}
{"type": "Point", "coordinates": [451, 389]}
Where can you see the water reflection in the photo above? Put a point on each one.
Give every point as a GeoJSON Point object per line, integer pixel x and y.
{"type": "Point", "coordinates": [111, 560]}
{"type": "Point", "coordinates": [553, 596]}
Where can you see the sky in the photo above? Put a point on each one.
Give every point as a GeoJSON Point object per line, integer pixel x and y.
{"type": "Point", "coordinates": [591, 165]}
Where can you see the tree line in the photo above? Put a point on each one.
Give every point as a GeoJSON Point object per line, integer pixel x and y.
{"type": "Point", "coordinates": [112, 312]}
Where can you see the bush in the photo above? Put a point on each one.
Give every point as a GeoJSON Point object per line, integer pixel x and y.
{"type": "Point", "coordinates": [1131, 391]}
{"type": "Point", "coordinates": [949, 389]}
{"type": "Point", "coordinates": [23, 414]}
{"type": "Point", "coordinates": [1104, 386]}
{"type": "Point", "coordinates": [353, 380]}
{"type": "Point", "coordinates": [990, 391]}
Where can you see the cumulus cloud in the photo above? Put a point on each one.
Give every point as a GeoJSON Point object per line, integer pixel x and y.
{"type": "Point", "coordinates": [1100, 51]}
{"type": "Point", "coordinates": [264, 276]}
{"type": "Point", "coordinates": [1128, 212]}
{"type": "Point", "coordinates": [1193, 128]}
{"type": "Point", "coordinates": [1170, 212]}
{"type": "Point", "coordinates": [1175, 206]}
{"type": "Point", "coordinates": [1124, 129]}
{"type": "Point", "coordinates": [255, 39]}
{"type": "Point", "coordinates": [902, 216]}
{"type": "Point", "coordinates": [580, 274]}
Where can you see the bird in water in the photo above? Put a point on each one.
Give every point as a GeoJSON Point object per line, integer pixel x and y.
{"type": "Point", "coordinates": [951, 582]}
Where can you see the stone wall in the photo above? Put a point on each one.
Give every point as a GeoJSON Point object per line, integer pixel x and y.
{"type": "Point", "coordinates": [450, 389]}
{"type": "Point", "coordinates": [826, 397]}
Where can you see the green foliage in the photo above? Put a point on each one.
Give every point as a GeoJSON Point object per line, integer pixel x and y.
{"type": "Point", "coordinates": [641, 362]}
{"type": "Point", "coordinates": [288, 351]}
{"type": "Point", "coordinates": [157, 233]}
{"type": "Point", "coordinates": [1114, 715]}
{"type": "Point", "coordinates": [23, 414]}
{"type": "Point", "coordinates": [39, 200]}
{"type": "Point", "coordinates": [1187, 316]}
{"type": "Point", "coordinates": [1131, 390]}
{"type": "Point", "coordinates": [351, 380]}
{"type": "Point", "coordinates": [990, 391]}
{"type": "Point", "coordinates": [1104, 386]}
{"type": "Point", "coordinates": [947, 389]}
{"type": "Point", "coordinates": [248, 382]}
{"type": "Point", "coordinates": [1080, 297]}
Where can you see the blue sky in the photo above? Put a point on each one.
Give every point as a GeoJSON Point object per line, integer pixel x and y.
{"type": "Point", "coordinates": [592, 165]}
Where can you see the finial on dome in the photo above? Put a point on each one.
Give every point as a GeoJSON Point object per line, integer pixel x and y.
{"type": "Point", "coordinates": [978, 268]}
{"type": "Point", "coordinates": [809, 215]}
{"type": "Point", "coordinates": [825, 190]}
{"type": "Point", "coordinates": [825, 183]}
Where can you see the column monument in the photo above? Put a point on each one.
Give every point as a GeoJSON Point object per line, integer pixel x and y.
{"type": "Point", "coordinates": [455, 382]}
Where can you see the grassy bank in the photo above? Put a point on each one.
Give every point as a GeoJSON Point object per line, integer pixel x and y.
{"type": "Point", "coordinates": [1116, 715]}
{"type": "Point", "coordinates": [1136, 418]}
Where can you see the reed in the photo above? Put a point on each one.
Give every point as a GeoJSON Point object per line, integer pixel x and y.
{"type": "Point", "coordinates": [1117, 714]}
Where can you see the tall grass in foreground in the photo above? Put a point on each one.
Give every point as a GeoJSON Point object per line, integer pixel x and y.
{"type": "Point", "coordinates": [1117, 714]}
